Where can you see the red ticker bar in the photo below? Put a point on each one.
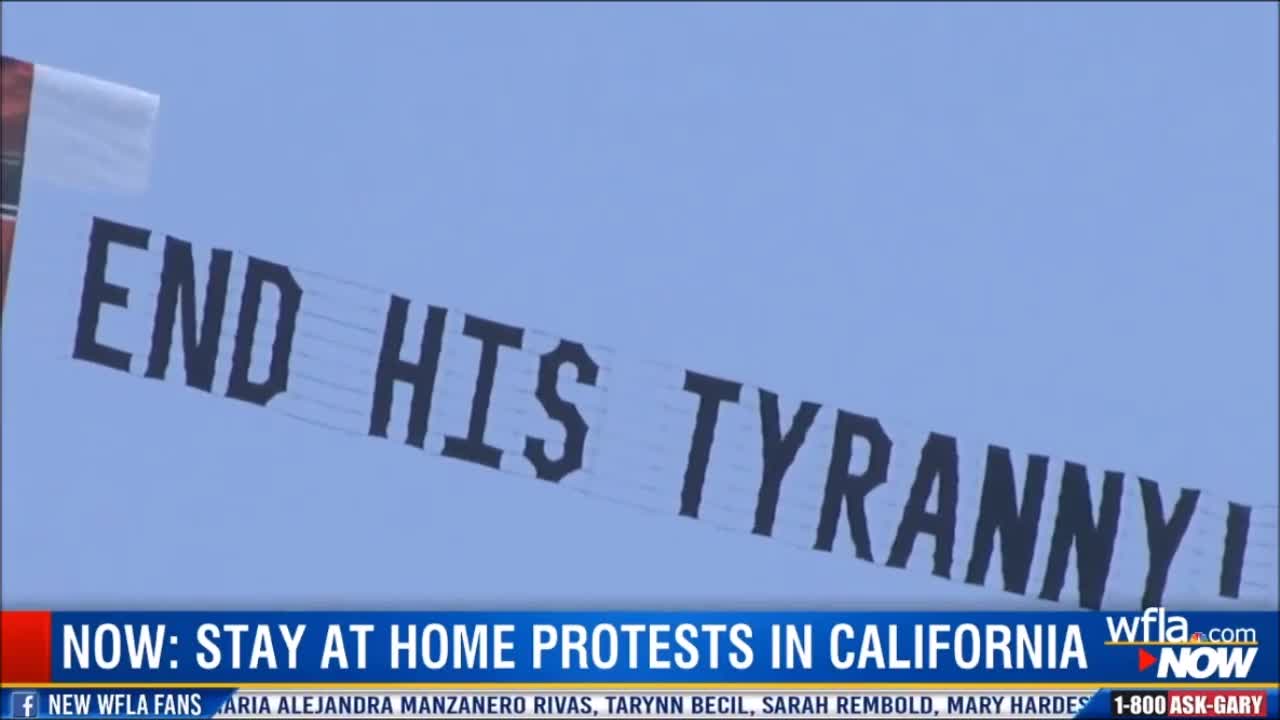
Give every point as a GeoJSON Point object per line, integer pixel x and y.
{"type": "Point", "coordinates": [26, 649]}
{"type": "Point", "coordinates": [1217, 703]}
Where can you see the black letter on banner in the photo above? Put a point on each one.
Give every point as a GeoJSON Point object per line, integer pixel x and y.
{"type": "Point", "coordinates": [239, 386]}
{"type": "Point", "coordinates": [779, 452]}
{"type": "Point", "coordinates": [561, 410]}
{"type": "Point", "coordinates": [199, 347]}
{"type": "Point", "coordinates": [711, 391]}
{"type": "Point", "coordinates": [1233, 550]}
{"type": "Point", "coordinates": [1163, 538]}
{"type": "Point", "coordinates": [492, 336]}
{"type": "Point", "coordinates": [422, 374]}
{"type": "Point", "coordinates": [849, 488]}
{"type": "Point", "coordinates": [1094, 543]}
{"type": "Point", "coordinates": [999, 512]}
{"type": "Point", "coordinates": [98, 292]}
{"type": "Point", "coordinates": [938, 459]}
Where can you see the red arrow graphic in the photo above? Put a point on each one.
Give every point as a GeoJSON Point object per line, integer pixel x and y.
{"type": "Point", "coordinates": [1145, 659]}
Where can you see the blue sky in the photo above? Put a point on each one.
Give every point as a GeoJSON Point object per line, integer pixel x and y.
{"type": "Point", "coordinates": [1048, 225]}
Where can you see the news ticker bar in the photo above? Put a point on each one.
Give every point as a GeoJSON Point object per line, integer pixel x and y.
{"type": "Point", "coordinates": [154, 703]}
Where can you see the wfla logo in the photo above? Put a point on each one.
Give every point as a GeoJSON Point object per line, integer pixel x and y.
{"type": "Point", "coordinates": [1225, 653]}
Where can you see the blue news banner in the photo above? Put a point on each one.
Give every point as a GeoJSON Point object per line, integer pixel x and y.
{"type": "Point", "coordinates": [218, 652]}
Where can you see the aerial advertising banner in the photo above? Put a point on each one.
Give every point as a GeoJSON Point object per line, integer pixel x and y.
{"type": "Point", "coordinates": [350, 358]}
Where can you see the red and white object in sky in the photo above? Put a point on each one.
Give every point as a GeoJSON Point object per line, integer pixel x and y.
{"type": "Point", "coordinates": [71, 129]}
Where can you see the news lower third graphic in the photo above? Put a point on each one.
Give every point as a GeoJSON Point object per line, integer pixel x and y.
{"type": "Point", "coordinates": [1159, 663]}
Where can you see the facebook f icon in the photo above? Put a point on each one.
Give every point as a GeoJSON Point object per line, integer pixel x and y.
{"type": "Point", "coordinates": [26, 704]}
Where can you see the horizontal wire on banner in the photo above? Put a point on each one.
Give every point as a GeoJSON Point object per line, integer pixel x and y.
{"type": "Point", "coordinates": [746, 399]}
{"type": "Point", "coordinates": [668, 407]}
{"type": "Point", "coordinates": [671, 451]}
{"type": "Point", "coordinates": [662, 500]}
{"type": "Point", "coordinates": [336, 349]}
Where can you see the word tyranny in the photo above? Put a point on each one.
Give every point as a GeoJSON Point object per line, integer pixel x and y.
{"type": "Point", "coordinates": [1001, 518]}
